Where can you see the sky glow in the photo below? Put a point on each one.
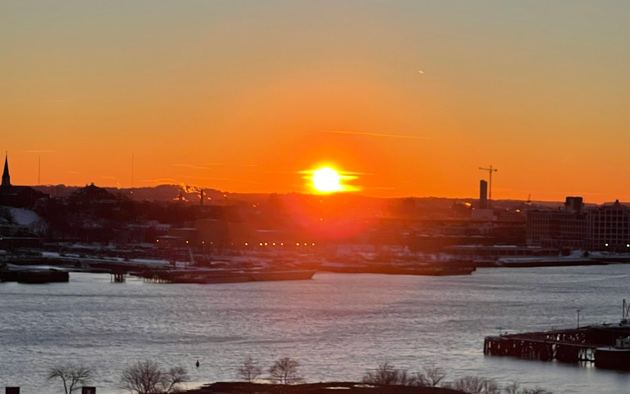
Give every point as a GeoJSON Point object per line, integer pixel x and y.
{"type": "Point", "coordinates": [243, 95]}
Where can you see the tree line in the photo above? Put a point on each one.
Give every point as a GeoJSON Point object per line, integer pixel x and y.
{"type": "Point", "coordinates": [148, 377]}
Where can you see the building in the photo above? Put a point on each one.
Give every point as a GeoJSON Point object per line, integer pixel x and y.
{"type": "Point", "coordinates": [17, 196]}
{"type": "Point", "coordinates": [6, 178]}
{"type": "Point", "coordinates": [563, 228]}
{"type": "Point", "coordinates": [608, 228]}
{"type": "Point", "coordinates": [483, 194]}
{"type": "Point", "coordinates": [602, 228]}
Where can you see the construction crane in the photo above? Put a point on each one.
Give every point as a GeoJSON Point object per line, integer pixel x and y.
{"type": "Point", "coordinates": [490, 171]}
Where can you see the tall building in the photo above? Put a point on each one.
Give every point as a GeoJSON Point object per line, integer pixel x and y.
{"type": "Point", "coordinates": [483, 194]}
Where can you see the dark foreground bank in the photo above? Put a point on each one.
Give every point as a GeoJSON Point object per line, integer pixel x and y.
{"type": "Point", "coordinates": [315, 388]}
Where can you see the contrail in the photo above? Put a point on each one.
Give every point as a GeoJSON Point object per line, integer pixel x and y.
{"type": "Point", "coordinates": [414, 137]}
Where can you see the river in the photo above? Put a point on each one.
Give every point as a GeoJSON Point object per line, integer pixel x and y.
{"type": "Point", "coordinates": [336, 325]}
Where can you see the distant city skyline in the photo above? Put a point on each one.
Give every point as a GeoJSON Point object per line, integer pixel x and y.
{"type": "Point", "coordinates": [410, 97]}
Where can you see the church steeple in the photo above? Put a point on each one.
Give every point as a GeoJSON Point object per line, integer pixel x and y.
{"type": "Point", "coordinates": [6, 178]}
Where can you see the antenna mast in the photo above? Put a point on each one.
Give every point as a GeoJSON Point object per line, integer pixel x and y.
{"type": "Point", "coordinates": [132, 162]}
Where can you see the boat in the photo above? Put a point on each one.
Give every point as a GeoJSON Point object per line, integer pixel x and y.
{"type": "Point", "coordinates": [34, 276]}
{"type": "Point", "coordinates": [273, 275]}
{"type": "Point", "coordinates": [209, 276]}
{"type": "Point", "coordinates": [440, 268]}
{"type": "Point", "coordinates": [614, 357]}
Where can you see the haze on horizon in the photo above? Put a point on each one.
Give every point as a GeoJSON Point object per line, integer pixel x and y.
{"type": "Point", "coordinates": [243, 96]}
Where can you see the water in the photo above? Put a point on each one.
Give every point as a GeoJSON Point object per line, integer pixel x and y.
{"type": "Point", "coordinates": [337, 325]}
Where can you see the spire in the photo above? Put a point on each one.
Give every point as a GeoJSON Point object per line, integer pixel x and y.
{"type": "Point", "coordinates": [6, 178]}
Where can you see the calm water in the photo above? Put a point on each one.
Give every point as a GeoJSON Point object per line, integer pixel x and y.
{"type": "Point", "coordinates": [336, 325]}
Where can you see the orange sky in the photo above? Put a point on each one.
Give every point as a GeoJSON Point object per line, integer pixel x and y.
{"type": "Point", "coordinates": [243, 95]}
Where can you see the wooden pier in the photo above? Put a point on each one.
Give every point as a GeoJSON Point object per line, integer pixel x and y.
{"type": "Point", "coordinates": [570, 346]}
{"type": "Point", "coordinates": [117, 277]}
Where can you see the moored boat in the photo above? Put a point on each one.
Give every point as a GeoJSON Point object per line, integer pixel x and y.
{"type": "Point", "coordinates": [34, 276]}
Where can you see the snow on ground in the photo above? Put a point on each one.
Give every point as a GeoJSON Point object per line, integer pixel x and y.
{"type": "Point", "coordinates": [24, 217]}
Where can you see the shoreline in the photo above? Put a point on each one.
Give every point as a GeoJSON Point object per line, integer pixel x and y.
{"type": "Point", "coordinates": [315, 388]}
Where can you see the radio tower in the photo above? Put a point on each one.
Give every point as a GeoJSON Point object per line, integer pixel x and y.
{"type": "Point", "coordinates": [490, 171]}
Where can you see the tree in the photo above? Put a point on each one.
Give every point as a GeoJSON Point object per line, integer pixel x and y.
{"type": "Point", "coordinates": [537, 390]}
{"type": "Point", "coordinates": [476, 385]}
{"type": "Point", "coordinates": [285, 371]}
{"type": "Point", "coordinates": [431, 376]}
{"type": "Point", "coordinates": [386, 374]}
{"type": "Point", "coordinates": [512, 388]}
{"type": "Point", "coordinates": [250, 370]}
{"type": "Point", "coordinates": [146, 377]}
{"type": "Point", "coordinates": [71, 375]}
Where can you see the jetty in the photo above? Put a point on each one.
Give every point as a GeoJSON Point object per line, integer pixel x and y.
{"type": "Point", "coordinates": [606, 345]}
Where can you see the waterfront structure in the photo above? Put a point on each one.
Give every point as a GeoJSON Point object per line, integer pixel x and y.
{"type": "Point", "coordinates": [564, 228]}
{"type": "Point", "coordinates": [608, 228]}
{"type": "Point", "coordinates": [602, 228]}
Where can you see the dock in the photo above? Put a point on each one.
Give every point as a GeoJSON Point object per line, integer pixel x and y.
{"type": "Point", "coordinates": [598, 344]}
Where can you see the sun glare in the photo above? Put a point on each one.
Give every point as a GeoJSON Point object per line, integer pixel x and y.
{"type": "Point", "coordinates": [327, 180]}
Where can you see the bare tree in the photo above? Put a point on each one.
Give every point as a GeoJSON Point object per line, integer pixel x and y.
{"type": "Point", "coordinates": [512, 388]}
{"type": "Point", "coordinates": [537, 390]}
{"type": "Point", "coordinates": [146, 377]}
{"type": "Point", "coordinates": [285, 371]}
{"type": "Point", "coordinates": [430, 376]}
{"type": "Point", "coordinates": [249, 370]}
{"type": "Point", "coordinates": [476, 385]}
{"type": "Point", "coordinates": [71, 375]}
{"type": "Point", "coordinates": [176, 375]}
{"type": "Point", "coordinates": [387, 374]}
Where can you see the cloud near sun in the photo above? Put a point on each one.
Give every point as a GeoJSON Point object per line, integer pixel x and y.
{"type": "Point", "coordinates": [329, 180]}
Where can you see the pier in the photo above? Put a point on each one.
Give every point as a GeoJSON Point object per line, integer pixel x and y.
{"type": "Point", "coordinates": [117, 276]}
{"type": "Point", "coordinates": [585, 344]}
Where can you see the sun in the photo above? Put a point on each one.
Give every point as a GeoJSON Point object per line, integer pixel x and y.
{"type": "Point", "coordinates": [327, 180]}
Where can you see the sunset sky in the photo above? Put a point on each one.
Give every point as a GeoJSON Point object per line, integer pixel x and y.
{"type": "Point", "coordinates": [409, 97]}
